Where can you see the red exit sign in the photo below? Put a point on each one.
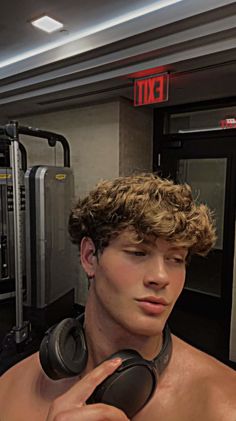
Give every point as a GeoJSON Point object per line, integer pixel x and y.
{"type": "Point", "coordinates": [228, 123]}
{"type": "Point", "coordinates": [151, 90]}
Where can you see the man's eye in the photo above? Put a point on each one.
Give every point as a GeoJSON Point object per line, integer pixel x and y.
{"type": "Point", "coordinates": [177, 260]}
{"type": "Point", "coordinates": [136, 252]}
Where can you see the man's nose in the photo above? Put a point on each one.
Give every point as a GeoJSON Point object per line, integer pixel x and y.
{"type": "Point", "coordinates": [156, 274]}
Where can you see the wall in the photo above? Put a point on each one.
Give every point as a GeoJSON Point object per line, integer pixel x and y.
{"type": "Point", "coordinates": [136, 139]}
{"type": "Point", "coordinates": [106, 140]}
{"type": "Point", "coordinates": [93, 135]}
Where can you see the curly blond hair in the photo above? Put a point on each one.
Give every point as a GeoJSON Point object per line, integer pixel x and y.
{"type": "Point", "coordinates": [150, 206]}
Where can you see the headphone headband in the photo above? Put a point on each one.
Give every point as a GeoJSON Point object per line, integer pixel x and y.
{"type": "Point", "coordinates": [162, 359]}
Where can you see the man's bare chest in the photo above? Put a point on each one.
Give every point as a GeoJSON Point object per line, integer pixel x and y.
{"type": "Point", "coordinates": [174, 406]}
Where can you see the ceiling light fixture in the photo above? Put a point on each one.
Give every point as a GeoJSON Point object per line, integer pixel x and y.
{"type": "Point", "coordinates": [160, 4]}
{"type": "Point", "coordinates": [47, 24]}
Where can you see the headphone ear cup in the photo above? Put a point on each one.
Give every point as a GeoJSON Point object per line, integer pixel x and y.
{"type": "Point", "coordinates": [63, 351]}
{"type": "Point", "coordinates": [44, 357]}
{"type": "Point", "coordinates": [130, 387]}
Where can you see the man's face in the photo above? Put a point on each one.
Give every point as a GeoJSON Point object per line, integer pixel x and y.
{"type": "Point", "coordinates": [137, 285]}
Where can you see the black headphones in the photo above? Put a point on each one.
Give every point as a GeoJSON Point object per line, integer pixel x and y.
{"type": "Point", "coordinates": [63, 353]}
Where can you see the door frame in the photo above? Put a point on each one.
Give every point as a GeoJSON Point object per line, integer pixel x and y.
{"type": "Point", "coordinates": [210, 144]}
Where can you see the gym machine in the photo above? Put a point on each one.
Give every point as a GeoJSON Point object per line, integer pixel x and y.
{"type": "Point", "coordinates": [38, 201]}
{"type": "Point", "coordinates": [7, 264]}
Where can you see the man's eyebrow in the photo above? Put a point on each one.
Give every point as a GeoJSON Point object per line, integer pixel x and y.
{"type": "Point", "coordinates": [132, 241]}
{"type": "Point", "coordinates": [145, 243]}
{"type": "Point", "coordinates": [178, 248]}
{"type": "Point", "coordinates": [138, 242]}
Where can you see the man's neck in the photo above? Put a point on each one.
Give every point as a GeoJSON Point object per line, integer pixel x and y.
{"type": "Point", "coordinates": [105, 336]}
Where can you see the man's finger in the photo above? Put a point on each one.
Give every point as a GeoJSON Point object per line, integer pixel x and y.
{"type": "Point", "coordinates": [94, 413]}
{"type": "Point", "coordinates": [81, 391]}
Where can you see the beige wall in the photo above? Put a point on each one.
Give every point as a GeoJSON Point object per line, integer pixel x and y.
{"type": "Point", "coordinates": [106, 140]}
{"type": "Point", "coordinates": [136, 138]}
{"type": "Point", "coordinates": [93, 135]}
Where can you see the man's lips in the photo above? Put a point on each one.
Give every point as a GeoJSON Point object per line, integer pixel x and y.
{"type": "Point", "coordinates": [153, 300]}
{"type": "Point", "coordinates": [152, 305]}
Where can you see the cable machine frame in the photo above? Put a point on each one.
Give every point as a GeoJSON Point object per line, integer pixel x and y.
{"type": "Point", "coordinates": [11, 132]}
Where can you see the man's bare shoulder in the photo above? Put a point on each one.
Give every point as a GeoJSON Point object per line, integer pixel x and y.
{"type": "Point", "coordinates": [212, 381]}
{"type": "Point", "coordinates": [193, 354]}
{"type": "Point", "coordinates": [26, 392]}
{"type": "Point", "coordinates": [18, 377]}
{"type": "Point", "coordinates": [14, 373]}
{"type": "Point", "coordinates": [199, 361]}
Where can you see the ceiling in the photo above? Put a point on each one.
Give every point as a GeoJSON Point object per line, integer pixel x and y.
{"type": "Point", "coordinates": [18, 36]}
{"type": "Point", "coordinates": [105, 44]}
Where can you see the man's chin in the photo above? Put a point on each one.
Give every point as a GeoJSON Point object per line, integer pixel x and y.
{"type": "Point", "coordinates": [147, 329]}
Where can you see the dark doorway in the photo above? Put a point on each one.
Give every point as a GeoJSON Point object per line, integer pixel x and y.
{"type": "Point", "coordinates": [207, 161]}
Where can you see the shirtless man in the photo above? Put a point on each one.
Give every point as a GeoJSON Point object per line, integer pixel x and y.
{"type": "Point", "coordinates": [135, 235]}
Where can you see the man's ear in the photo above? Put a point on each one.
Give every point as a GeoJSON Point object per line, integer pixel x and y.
{"type": "Point", "coordinates": [87, 256]}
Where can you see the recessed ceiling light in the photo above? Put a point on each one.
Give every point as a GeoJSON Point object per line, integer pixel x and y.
{"type": "Point", "coordinates": [89, 31]}
{"type": "Point", "coordinates": [47, 24]}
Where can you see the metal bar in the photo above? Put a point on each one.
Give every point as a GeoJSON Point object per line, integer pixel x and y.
{"type": "Point", "coordinates": [17, 228]}
{"type": "Point", "coordinates": [52, 139]}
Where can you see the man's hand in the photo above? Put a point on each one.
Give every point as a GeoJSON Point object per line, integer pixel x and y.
{"type": "Point", "coordinates": [71, 406]}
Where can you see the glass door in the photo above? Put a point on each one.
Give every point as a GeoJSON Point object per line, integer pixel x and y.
{"type": "Point", "coordinates": [203, 314]}
{"type": "Point", "coordinates": [207, 177]}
